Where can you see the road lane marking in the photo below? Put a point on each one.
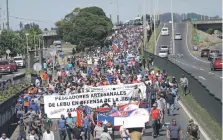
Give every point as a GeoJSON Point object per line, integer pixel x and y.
{"type": "Point", "coordinates": [195, 121]}
{"type": "Point", "coordinates": [194, 67]}
{"type": "Point", "coordinates": [221, 77]}
{"type": "Point", "coordinates": [158, 39]}
{"type": "Point", "coordinates": [201, 77]}
{"type": "Point", "coordinates": [211, 72]}
{"type": "Point", "coordinates": [190, 52]}
{"type": "Point", "coordinates": [201, 69]}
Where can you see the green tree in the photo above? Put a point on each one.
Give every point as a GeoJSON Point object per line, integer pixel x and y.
{"type": "Point", "coordinates": [12, 41]}
{"type": "Point", "coordinates": [210, 31]}
{"type": "Point", "coordinates": [85, 27]}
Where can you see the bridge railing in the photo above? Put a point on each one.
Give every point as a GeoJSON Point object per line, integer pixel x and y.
{"type": "Point", "coordinates": [201, 94]}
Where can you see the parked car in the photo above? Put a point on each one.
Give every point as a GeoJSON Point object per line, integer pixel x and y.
{"type": "Point", "coordinates": [217, 63]}
{"type": "Point", "coordinates": [13, 65]}
{"type": "Point", "coordinates": [213, 54]}
{"type": "Point", "coordinates": [164, 48]}
{"type": "Point", "coordinates": [163, 54]}
{"type": "Point", "coordinates": [205, 52]}
{"type": "Point", "coordinates": [178, 36]}
{"type": "Point", "coordinates": [6, 66]}
{"type": "Point", "coordinates": [19, 61]}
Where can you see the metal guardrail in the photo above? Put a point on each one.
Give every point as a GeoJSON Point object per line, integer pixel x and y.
{"type": "Point", "coordinates": [202, 95]}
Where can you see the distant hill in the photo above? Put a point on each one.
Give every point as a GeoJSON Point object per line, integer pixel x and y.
{"type": "Point", "coordinates": [179, 17]}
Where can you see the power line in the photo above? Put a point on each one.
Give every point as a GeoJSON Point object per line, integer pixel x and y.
{"type": "Point", "coordinates": [29, 19]}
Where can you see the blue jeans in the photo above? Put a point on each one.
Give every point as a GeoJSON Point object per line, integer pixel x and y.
{"type": "Point", "coordinates": [87, 133]}
{"type": "Point", "coordinates": [170, 108]}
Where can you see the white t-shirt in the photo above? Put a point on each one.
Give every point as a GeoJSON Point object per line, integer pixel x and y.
{"type": "Point", "coordinates": [37, 82]}
{"type": "Point", "coordinates": [105, 136]}
{"type": "Point", "coordinates": [161, 102]}
{"type": "Point", "coordinates": [98, 130]}
{"type": "Point", "coordinates": [123, 131]}
{"type": "Point", "coordinates": [68, 91]}
{"type": "Point", "coordinates": [49, 136]}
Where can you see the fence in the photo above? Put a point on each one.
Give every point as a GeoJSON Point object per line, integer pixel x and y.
{"type": "Point", "coordinates": [4, 85]}
{"type": "Point", "coordinates": [202, 95]}
{"type": "Point", "coordinates": [7, 108]}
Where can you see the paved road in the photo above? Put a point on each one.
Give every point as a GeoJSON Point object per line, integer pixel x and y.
{"type": "Point", "coordinates": [195, 65]}
{"type": "Point", "coordinates": [9, 76]}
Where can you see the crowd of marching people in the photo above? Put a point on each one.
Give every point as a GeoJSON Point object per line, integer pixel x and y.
{"type": "Point", "coordinates": [116, 65]}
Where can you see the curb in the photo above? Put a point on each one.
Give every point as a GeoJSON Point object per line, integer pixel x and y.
{"type": "Point", "coordinates": [195, 121]}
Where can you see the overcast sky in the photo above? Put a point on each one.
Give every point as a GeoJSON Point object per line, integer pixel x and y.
{"type": "Point", "coordinates": [51, 11]}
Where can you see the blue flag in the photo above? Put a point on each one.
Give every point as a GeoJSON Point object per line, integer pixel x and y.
{"type": "Point", "coordinates": [105, 119]}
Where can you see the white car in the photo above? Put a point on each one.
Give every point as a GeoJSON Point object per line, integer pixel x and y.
{"type": "Point", "coordinates": [163, 54]}
{"type": "Point", "coordinates": [177, 36]}
{"type": "Point", "coordinates": [165, 31]}
{"type": "Point", "coordinates": [164, 48]}
{"type": "Point", "coordinates": [19, 61]}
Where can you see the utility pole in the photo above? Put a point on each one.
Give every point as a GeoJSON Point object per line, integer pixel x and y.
{"type": "Point", "coordinates": [154, 22]}
{"type": "Point", "coordinates": [117, 12]}
{"type": "Point", "coordinates": [171, 2]}
{"type": "Point", "coordinates": [7, 10]}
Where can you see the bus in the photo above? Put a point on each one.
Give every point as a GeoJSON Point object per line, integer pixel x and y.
{"type": "Point", "coordinates": [58, 45]}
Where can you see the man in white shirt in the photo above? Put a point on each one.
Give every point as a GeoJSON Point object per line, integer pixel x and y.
{"type": "Point", "coordinates": [4, 137]}
{"type": "Point", "coordinates": [48, 135]}
{"type": "Point", "coordinates": [98, 130]}
{"type": "Point", "coordinates": [161, 105]}
{"type": "Point", "coordinates": [123, 133]}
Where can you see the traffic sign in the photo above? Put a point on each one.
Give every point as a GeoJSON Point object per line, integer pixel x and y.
{"type": "Point", "coordinates": [194, 19]}
{"type": "Point", "coordinates": [37, 67]}
{"type": "Point", "coordinates": [196, 38]}
{"type": "Point", "coordinates": [8, 51]}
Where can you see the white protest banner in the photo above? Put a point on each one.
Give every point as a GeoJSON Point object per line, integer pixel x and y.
{"type": "Point", "coordinates": [55, 105]}
{"type": "Point", "coordinates": [141, 86]}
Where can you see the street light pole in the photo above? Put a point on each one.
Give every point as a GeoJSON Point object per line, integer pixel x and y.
{"type": "Point", "coordinates": [35, 44]}
{"type": "Point", "coordinates": [117, 12]}
{"type": "Point", "coordinates": [154, 22]}
{"type": "Point", "coordinates": [171, 2]}
{"type": "Point", "coordinates": [27, 48]}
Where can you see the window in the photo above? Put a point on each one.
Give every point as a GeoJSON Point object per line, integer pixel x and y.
{"type": "Point", "coordinates": [4, 62]}
{"type": "Point", "coordinates": [18, 58]}
{"type": "Point", "coordinates": [164, 47]}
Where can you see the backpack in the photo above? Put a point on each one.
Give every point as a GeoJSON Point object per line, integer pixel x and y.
{"type": "Point", "coordinates": [193, 130]}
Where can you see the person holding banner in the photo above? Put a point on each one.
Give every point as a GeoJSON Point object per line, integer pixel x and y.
{"type": "Point", "coordinates": [124, 133]}
{"type": "Point", "coordinates": [70, 124]}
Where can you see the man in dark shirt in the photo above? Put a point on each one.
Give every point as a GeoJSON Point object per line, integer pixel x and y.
{"type": "Point", "coordinates": [169, 102]}
{"type": "Point", "coordinates": [174, 131]}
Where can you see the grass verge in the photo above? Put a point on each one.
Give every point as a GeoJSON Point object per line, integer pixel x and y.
{"type": "Point", "coordinates": [13, 90]}
{"type": "Point", "coordinates": [205, 120]}
{"type": "Point", "coordinates": [151, 42]}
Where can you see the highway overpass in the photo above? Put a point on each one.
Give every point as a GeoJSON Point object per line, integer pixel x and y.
{"type": "Point", "coordinates": [49, 37]}
{"type": "Point", "coordinates": [204, 25]}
